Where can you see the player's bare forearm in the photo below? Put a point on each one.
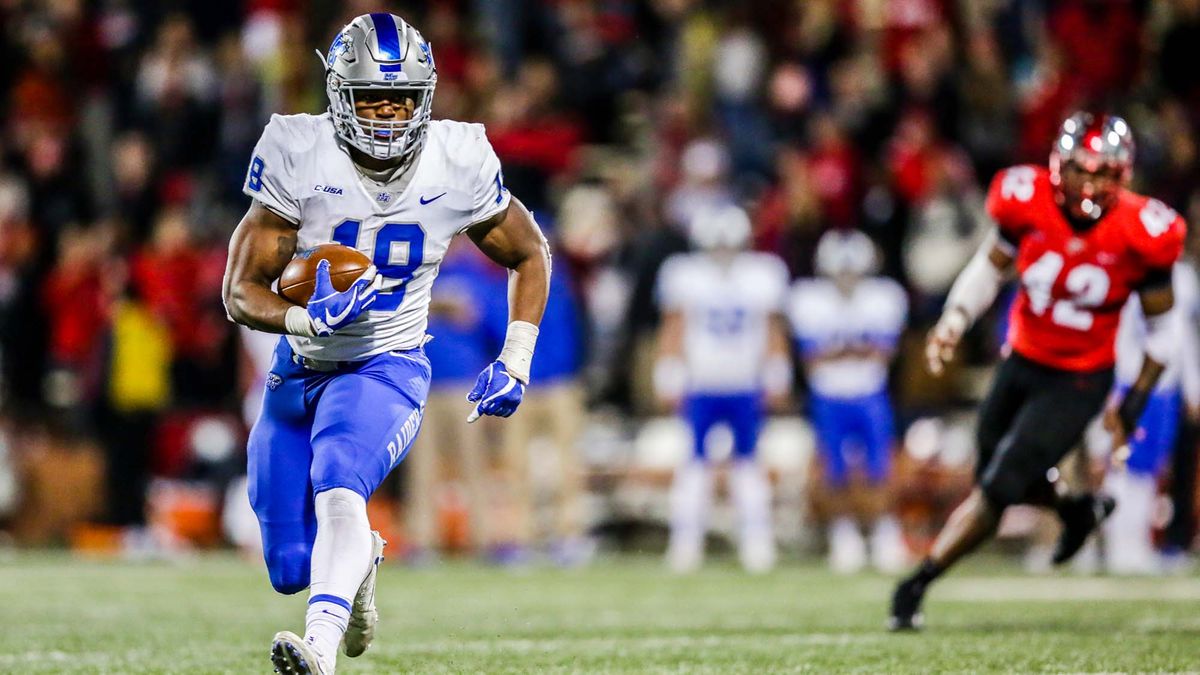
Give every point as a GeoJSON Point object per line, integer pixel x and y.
{"type": "Point", "coordinates": [778, 346]}
{"type": "Point", "coordinates": [261, 246]}
{"type": "Point", "coordinates": [513, 239]}
{"type": "Point", "coordinates": [855, 352]}
{"type": "Point", "coordinates": [777, 370]}
{"type": "Point", "coordinates": [670, 336]}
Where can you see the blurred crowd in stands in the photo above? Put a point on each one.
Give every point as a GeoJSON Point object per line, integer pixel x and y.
{"type": "Point", "coordinates": [126, 127]}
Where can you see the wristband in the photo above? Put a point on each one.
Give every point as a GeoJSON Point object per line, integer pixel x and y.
{"type": "Point", "coordinates": [517, 354]}
{"type": "Point", "coordinates": [297, 322]}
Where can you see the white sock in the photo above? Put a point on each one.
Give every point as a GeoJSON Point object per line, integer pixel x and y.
{"type": "Point", "coordinates": [1128, 548]}
{"type": "Point", "coordinates": [847, 550]}
{"type": "Point", "coordinates": [888, 553]}
{"type": "Point", "coordinates": [341, 559]}
{"type": "Point", "coordinates": [324, 625]}
{"type": "Point", "coordinates": [751, 493]}
{"type": "Point", "coordinates": [691, 492]}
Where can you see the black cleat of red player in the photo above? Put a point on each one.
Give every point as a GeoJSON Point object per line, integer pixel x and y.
{"type": "Point", "coordinates": [1080, 517]}
{"type": "Point", "coordinates": [906, 606]}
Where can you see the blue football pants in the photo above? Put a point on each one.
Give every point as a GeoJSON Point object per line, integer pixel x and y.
{"type": "Point", "coordinates": [322, 430]}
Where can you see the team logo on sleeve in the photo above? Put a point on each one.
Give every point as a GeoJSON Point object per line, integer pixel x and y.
{"type": "Point", "coordinates": [273, 381]}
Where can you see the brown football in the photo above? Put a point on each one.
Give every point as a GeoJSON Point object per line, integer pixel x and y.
{"type": "Point", "coordinates": [345, 265]}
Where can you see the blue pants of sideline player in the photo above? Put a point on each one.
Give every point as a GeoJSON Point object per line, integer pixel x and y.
{"type": "Point", "coordinates": [347, 428]}
{"type": "Point", "coordinates": [1154, 439]}
{"type": "Point", "coordinates": [742, 412]}
{"type": "Point", "coordinates": [844, 424]}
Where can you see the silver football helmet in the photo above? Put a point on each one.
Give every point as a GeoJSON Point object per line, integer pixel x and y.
{"type": "Point", "coordinates": [374, 52]}
{"type": "Point", "coordinates": [720, 228]}
{"type": "Point", "coordinates": [845, 253]}
{"type": "Point", "coordinates": [1101, 148]}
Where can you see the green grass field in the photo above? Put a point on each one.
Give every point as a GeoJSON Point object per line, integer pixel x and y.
{"type": "Point", "coordinates": [217, 615]}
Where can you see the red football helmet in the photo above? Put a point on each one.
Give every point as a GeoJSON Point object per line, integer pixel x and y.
{"type": "Point", "coordinates": [1092, 159]}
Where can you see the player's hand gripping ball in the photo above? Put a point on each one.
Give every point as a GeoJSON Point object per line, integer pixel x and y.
{"type": "Point", "coordinates": [334, 283]}
{"type": "Point", "coordinates": [299, 278]}
{"type": "Point", "coordinates": [495, 393]}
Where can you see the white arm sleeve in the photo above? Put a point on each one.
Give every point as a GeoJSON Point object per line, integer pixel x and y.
{"type": "Point", "coordinates": [977, 285]}
{"type": "Point", "coordinates": [1189, 360]}
{"type": "Point", "coordinates": [1162, 336]}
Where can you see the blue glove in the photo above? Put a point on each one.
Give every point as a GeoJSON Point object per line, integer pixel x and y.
{"type": "Point", "coordinates": [496, 393]}
{"type": "Point", "coordinates": [330, 310]}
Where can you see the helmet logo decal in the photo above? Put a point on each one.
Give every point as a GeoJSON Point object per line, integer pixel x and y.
{"type": "Point", "coordinates": [426, 54]}
{"type": "Point", "coordinates": [342, 44]}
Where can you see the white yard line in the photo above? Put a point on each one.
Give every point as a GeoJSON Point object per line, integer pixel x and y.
{"type": "Point", "coordinates": [532, 645]}
{"type": "Point", "coordinates": [1053, 589]}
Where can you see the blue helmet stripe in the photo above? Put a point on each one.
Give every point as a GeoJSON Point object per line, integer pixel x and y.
{"type": "Point", "coordinates": [387, 35]}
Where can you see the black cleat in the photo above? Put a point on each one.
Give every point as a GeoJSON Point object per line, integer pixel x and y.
{"type": "Point", "coordinates": [906, 606]}
{"type": "Point", "coordinates": [1080, 516]}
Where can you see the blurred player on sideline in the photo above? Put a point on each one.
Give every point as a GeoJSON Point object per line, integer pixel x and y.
{"type": "Point", "coordinates": [460, 327]}
{"type": "Point", "coordinates": [848, 325]}
{"type": "Point", "coordinates": [722, 349]}
{"type": "Point", "coordinates": [555, 411]}
{"type": "Point", "coordinates": [1128, 544]}
{"type": "Point", "coordinates": [346, 391]}
{"type": "Point", "coordinates": [1081, 243]}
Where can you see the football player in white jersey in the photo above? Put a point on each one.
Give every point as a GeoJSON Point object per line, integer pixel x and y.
{"type": "Point", "coordinates": [847, 324]}
{"type": "Point", "coordinates": [722, 349]}
{"type": "Point", "coordinates": [347, 387]}
{"type": "Point", "coordinates": [1128, 546]}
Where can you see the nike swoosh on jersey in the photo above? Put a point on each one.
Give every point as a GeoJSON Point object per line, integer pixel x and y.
{"type": "Point", "coordinates": [431, 199]}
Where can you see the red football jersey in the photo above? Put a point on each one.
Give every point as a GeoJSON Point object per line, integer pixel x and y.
{"type": "Point", "coordinates": [1074, 284]}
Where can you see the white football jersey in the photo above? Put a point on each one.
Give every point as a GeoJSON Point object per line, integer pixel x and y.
{"type": "Point", "coordinates": [824, 319]}
{"type": "Point", "coordinates": [726, 312]}
{"type": "Point", "coordinates": [1183, 368]}
{"type": "Point", "coordinates": [303, 173]}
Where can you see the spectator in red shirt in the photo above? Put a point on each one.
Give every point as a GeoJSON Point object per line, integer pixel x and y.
{"type": "Point", "coordinates": [1101, 42]}
{"type": "Point", "coordinates": [836, 171]}
{"type": "Point", "coordinates": [536, 143]}
{"type": "Point", "coordinates": [76, 299]}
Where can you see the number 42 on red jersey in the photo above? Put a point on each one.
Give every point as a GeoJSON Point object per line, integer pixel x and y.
{"type": "Point", "coordinates": [1074, 284]}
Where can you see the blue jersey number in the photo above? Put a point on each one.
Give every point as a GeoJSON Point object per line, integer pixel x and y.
{"type": "Point", "coordinates": [254, 180]}
{"type": "Point", "coordinates": [726, 322]}
{"type": "Point", "coordinates": [399, 251]}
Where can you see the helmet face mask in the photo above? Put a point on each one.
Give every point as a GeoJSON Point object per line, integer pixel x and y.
{"type": "Point", "coordinates": [1088, 194]}
{"type": "Point", "coordinates": [378, 58]}
{"type": "Point", "coordinates": [1091, 161]}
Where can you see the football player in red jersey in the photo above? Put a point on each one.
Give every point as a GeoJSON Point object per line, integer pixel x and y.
{"type": "Point", "coordinates": [1080, 242]}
